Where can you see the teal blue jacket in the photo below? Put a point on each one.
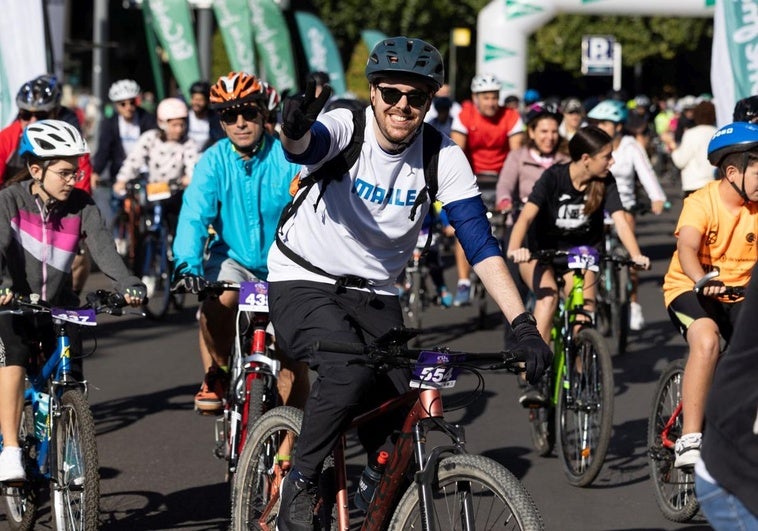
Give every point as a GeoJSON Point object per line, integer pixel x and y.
{"type": "Point", "coordinates": [241, 199]}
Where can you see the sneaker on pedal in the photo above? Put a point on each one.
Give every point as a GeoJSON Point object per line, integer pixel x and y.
{"type": "Point", "coordinates": [687, 449]}
{"type": "Point", "coordinates": [532, 398]}
{"type": "Point", "coordinates": [445, 297]}
{"type": "Point", "coordinates": [12, 465]}
{"type": "Point", "coordinates": [462, 294]}
{"type": "Point", "coordinates": [150, 283]}
{"type": "Point", "coordinates": [298, 502]}
{"type": "Point", "coordinates": [210, 399]}
{"type": "Point", "coordinates": [636, 319]}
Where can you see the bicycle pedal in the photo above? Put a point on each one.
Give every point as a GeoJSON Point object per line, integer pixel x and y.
{"type": "Point", "coordinates": [209, 412]}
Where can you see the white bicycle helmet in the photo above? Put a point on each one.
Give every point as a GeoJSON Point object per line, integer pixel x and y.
{"type": "Point", "coordinates": [170, 109]}
{"type": "Point", "coordinates": [52, 139]}
{"type": "Point", "coordinates": [485, 83]}
{"type": "Point", "coordinates": [124, 89]}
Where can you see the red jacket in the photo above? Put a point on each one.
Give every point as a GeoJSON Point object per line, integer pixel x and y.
{"type": "Point", "coordinates": [10, 138]}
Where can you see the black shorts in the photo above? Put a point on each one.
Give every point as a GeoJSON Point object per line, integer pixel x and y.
{"type": "Point", "coordinates": [690, 306]}
{"type": "Point", "coordinates": [23, 335]}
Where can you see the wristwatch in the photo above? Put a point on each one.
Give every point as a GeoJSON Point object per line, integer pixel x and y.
{"type": "Point", "coordinates": [522, 318]}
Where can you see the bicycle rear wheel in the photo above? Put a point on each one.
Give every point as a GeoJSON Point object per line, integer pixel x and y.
{"type": "Point", "coordinates": [76, 489]}
{"type": "Point", "coordinates": [20, 501]}
{"type": "Point", "coordinates": [416, 300]}
{"type": "Point", "coordinates": [674, 487]}
{"type": "Point", "coordinates": [584, 418]}
{"type": "Point", "coordinates": [155, 273]}
{"type": "Point", "coordinates": [470, 492]}
{"type": "Point", "coordinates": [264, 462]}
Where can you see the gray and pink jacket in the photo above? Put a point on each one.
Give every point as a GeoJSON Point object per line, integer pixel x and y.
{"type": "Point", "coordinates": [38, 244]}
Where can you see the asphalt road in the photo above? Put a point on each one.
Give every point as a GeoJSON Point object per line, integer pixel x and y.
{"type": "Point", "coordinates": [158, 469]}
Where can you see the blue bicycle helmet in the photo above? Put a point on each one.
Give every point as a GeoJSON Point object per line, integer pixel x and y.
{"type": "Point", "coordinates": [407, 56]}
{"type": "Point", "coordinates": [608, 111]}
{"type": "Point", "coordinates": [531, 96]}
{"type": "Point", "coordinates": [736, 137]}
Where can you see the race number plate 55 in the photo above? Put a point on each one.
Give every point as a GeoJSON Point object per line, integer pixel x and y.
{"type": "Point", "coordinates": [436, 370]}
{"type": "Point", "coordinates": [254, 296]}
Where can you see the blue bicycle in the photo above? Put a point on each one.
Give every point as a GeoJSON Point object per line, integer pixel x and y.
{"type": "Point", "coordinates": [57, 432]}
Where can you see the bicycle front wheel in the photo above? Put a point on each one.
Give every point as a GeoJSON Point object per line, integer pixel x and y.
{"type": "Point", "coordinates": [585, 410]}
{"type": "Point", "coordinates": [155, 273]}
{"type": "Point", "coordinates": [264, 462]}
{"type": "Point", "coordinates": [470, 492]}
{"type": "Point", "coordinates": [20, 501]}
{"type": "Point", "coordinates": [542, 420]}
{"type": "Point", "coordinates": [416, 300]}
{"type": "Point", "coordinates": [76, 486]}
{"type": "Point", "coordinates": [620, 310]}
{"type": "Point", "coordinates": [674, 487]}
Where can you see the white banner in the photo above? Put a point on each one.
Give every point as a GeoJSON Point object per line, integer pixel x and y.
{"type": "Point", "coordinates": [22, 51]}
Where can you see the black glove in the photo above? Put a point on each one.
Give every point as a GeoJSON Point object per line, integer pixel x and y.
{"type": "Point", "coordinates": [299, 112]}
{"type": "Point", "coordinates": [188, 284]}
{"type": "Point", "coordinates": [531, 349]}
{"type": "Point", "coordinates": [138, 291]}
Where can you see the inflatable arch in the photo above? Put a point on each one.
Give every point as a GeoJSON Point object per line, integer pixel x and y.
{"type": "Point", "coordinates": [503, 27]}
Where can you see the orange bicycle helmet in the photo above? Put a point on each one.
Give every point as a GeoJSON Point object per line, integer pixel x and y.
{"type": "Point", "coordinates": [238, 88]}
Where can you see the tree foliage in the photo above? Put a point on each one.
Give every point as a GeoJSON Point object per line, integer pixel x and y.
{"type": "Point", "coordinates": [560, 41]}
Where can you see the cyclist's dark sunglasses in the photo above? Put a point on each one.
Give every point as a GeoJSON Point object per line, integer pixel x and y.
{"type": "Point", "coordinates": [416, 98]}
{"type": "Point", "coordinates": [28, 115]}
{"type": "Point", "coordinates": [127, 103]}
{"type": "Point", "coordinates": [249, 114]}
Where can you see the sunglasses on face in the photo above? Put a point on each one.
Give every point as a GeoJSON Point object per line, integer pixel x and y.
{"type": "Point", "coordinates": [416, 98]}
{"type": "Point", "coordinates": [127, 103]}
{"type": "Point", "coordinates": [28, 115]}
{"type": "Point", "coordinates": [249, 114]}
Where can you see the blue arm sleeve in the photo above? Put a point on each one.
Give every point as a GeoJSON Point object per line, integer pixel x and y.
{"type": "Point", "coordinates": [317, 149]}
{"type": "Point", "coordinates": [472, 228]}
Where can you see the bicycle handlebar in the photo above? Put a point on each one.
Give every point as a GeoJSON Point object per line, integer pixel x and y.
{"type": "Point", "coordinates": [199, 286]}
{"type": "Point", "coordinates": [102, 301]}
{"type": "Point", "coordinates": [730, 292]}
{"type": "Point", "coordinates": [398, 356]}
{"type": "Point", "coordinates": [548, 256]}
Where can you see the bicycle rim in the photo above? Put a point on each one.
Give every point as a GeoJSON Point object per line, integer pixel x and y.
{"type": "Point", "coordinates": [585, 410]}
{"type": "Point", "coordinates": [674, 488]}
{"type": "Point", "coordinates": [21, 502]}
{"type": "Point", "coordinates": [76, 489]}
{"type": "Point", "coordinates": [155, 274]}
{"type": "Point", "coordinates": [264, 462]}
{"type": "Point", "coordinates": [620, 311]}
{"type": "Point", "coordinates": [470, 492]}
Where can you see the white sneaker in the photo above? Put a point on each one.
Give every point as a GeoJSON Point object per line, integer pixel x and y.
{"type": "Point", "coordinates": [121, 246]}
{"type": "Point", "coordinates": [12, 465]}
{"type": "Point", "coordinates": [636, 319]}
{"type": "Point", "coordinates": [150, 283]}
{"type": "Point", "coordinates": [687, 449]}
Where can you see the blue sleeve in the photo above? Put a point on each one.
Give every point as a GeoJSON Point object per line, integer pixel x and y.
{"type": "Point", "coordinates": [199, 209]}
{"type": "Point", "coordinates": [472, 228]}
{"type": "Point", "coordinates": [321, 140]}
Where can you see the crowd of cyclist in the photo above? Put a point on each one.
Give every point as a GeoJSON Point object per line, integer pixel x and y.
{"type": "Point", "coordinates": [235, 158]}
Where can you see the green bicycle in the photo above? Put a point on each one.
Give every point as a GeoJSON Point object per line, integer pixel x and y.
{"type": "Point", "coordinates": [579, 387]}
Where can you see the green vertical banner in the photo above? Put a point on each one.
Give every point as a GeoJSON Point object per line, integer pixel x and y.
{"type": "Point", "coordinates": [372, 37]}
{"type": "Point", "coordinates": [152, 45]}
{"type": "Point", "coordinates": [172, 21]}
{"type": "Point", "coordinates": [233, 18]}
{"type": "Point", "coordinates": [321, 50]}
{"type": "Point", "coordinates": [274, 44]}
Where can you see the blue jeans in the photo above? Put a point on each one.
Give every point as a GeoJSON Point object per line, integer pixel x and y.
{"type": "Point", "coordinates": [723, 510]}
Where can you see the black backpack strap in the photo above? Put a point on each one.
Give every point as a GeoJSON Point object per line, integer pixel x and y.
{"type": "Point", "coordinates": [431, 150]}
{"type": "Point", "coordinates": [333, 169]}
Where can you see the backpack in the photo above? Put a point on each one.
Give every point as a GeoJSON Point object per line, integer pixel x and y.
{"type": "Point", "coordinates": [337, 167]}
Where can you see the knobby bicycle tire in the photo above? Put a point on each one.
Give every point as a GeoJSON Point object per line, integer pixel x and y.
{"type": "Point", "coordinates": [256, 402]}
{"type": "Point", "coordinates": [584, 418]}
{"type": "Point", "coordinates": [542, 420]}
{"type": "Point", "coordinates": [498, 500]}
{"type": "Point", "coordinates": [76, 498]}
{"type": "Point", "coordinates": [674, 488]}
{"type": "Point", "coordinates": [20, 503]}
{"type": "Point", "coordinates": [154, 269]}
{"type": "Point", "coordinates": [256, 481]}
{"type": "Point", "coordinates": [620, 310]}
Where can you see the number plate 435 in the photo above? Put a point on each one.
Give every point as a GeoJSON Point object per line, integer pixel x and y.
{"type": "Point", "coordinates": [254, 296]}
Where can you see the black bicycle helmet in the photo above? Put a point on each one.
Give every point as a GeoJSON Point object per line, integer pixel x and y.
{"type": "Point", "coordinates": [407, 56]}
{"type": "Point", "coordinates": [42, 93]}
{"type": "Point", "coordinates": [201, 87]}
{"type": "Point", "coordinates": [746, 110]}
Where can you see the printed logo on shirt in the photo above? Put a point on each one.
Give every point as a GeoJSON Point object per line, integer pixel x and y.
{"type": "Point", "coordinates": [711, 238]}
{"type": "Point", "coordinates": [750, 238]}
{"type": "Point", "coordinates": [390, 196]}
